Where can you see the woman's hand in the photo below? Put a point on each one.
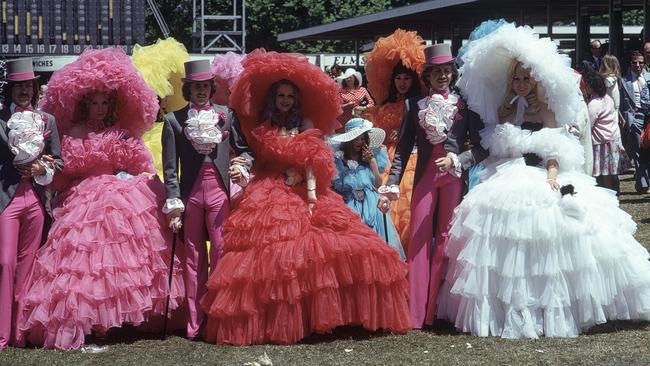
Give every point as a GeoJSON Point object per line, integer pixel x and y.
{"type": "Point", "coordinates": [366, 154]}
{"type": "Point", "coordinates": [175, 220]}
{"type": "Point", "coordinates": [348, 105]}
{"type": "Point", "coordinates": [393, 135]}
{"type": "Point", "coordinates": [383, 204]}
{"type": "Point", "coordinates": [444, 164]}
{"type": "Point", "coordinates": [33, 169]}
{"type": "Point", "coordinates": [292, 177]}
{"type": "Point", "coordinates": [554, 184]}
{"type": "Point", "coordinates": [357, 111]}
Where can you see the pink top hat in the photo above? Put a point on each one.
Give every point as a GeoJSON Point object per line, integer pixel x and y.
{"type": "Point", "coordinates": [20, 70]}
{"type": "Point", "coordinates": [438, 54]}
{"type": "Point", "coordinates": [198, 70]}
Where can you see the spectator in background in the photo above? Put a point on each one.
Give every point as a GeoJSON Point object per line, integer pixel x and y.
{"type": "Point", "coordinates": [594, 59]}
{"type": "Point", "coordinates": [635, 102]}
{"type": "Point", "coordinates": [354, 98]}
{"type": "Point", "coordinates": [605, 133]}
{"type": "Point", "coordinates": [335, 71]}
{"type": "Point", "coordinates": [610, 69]}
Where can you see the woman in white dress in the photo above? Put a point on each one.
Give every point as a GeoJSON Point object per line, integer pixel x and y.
{"type": "Point", "coordinates": [536, 248]}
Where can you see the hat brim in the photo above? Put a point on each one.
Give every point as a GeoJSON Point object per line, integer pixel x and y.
{"type": "Point", "coordinates": [376, 136]}
{"type": "Point", "coordinates": [12, 80]}
{"type": "Point", "coordinates": [189, 80]}
{"type": "Point", "coordinates": [436, 61]}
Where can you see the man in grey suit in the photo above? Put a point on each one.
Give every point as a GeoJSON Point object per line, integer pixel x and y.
{"type": "Point", "coordinates": [635, 107]}
{"type": "Point", "coordinates": [30, 155]}
{"type": "Point", "coordinates": [200, 137]}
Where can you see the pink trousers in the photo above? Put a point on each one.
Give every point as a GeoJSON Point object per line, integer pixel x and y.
{"type": "Point", "coordinates": [207, 208]}
{"type": "Point", "coordinates": [434, 197]}
{"type": "Point", "coordinates": [21, 226]}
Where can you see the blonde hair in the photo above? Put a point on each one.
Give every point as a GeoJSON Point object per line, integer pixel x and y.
{"type": "Point", "coordinates": [610, 66]}
{"type": "Point", "coordinates": [534, 98]}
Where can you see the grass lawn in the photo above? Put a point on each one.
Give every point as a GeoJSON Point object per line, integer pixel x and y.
{"type": "Point", "coordinates": [615, 343]}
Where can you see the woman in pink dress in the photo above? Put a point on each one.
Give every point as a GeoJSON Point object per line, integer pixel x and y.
{"type": "Point", "coordinates": [106, 259]}
{"type": "Point", "coordinates": [296, 260]}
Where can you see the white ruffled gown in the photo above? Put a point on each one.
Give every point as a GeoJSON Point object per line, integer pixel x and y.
{"type": "Point", "coordinates": [525, 261]}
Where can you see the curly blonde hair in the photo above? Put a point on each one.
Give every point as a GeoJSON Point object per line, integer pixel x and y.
{"type": "Point", "coordinates": [535, 98]}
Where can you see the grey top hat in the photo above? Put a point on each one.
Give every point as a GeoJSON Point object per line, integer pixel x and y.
{"type": "Point", "coordinates": [438, 54]}
{"type": "Point", "coordinates": [20, 69]}
{"type": "Point", "coordinates": [197, 70]}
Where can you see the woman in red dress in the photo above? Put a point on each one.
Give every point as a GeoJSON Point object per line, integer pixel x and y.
{"type": "Point", "coordinates": [296, 260]}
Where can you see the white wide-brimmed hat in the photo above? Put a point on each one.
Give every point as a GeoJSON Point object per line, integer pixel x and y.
{"type": "Point", "coordinates": [350, 72]}
{"type": "Point", "coordinates": [357, 127]}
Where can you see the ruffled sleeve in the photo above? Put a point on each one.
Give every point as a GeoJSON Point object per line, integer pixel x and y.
{"type": "Point", "coordinates": [133, 157]}
{"type": "Point", "coordinates": [300, 151]}
{"type": "Point", "coordinates": [557, 144]}
{"type": "Point", "coordinates": [337, 182]}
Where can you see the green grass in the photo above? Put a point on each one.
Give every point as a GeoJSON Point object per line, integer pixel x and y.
{"type": "Point", "coordinates": [614, 343]}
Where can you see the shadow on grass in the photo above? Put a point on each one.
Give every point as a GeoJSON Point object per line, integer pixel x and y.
{"type": "Point", "coordinates": [634, 201]}
{"type": "Point", "coordinates": [439, 327]}
{"type": "Point", "coordinates": [617, 326]}
{"type": "Point", "coordinates": [352, 333]}
{"type": "Point", "coordinates": [128, 334]}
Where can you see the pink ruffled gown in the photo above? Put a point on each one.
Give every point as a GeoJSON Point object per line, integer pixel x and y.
{"type": "Point", "coordinates": [106, 260]}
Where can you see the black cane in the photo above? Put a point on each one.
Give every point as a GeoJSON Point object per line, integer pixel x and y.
{"type": "Point", "coordinates": [385, 228]}
{"type": "Point", "coordinates": [169, 281]}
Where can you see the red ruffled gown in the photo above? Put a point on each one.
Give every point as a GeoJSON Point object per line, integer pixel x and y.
{"type": "Point", "coordinates": [106, 260]}
{"type": "Point", "coordinates": [284, 274]}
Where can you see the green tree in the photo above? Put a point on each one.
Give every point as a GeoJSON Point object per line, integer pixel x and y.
{"type": "Point", "coordinates": [267, 18]}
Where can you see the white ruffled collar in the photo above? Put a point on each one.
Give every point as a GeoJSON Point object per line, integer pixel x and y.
{"type": "Point", "coordinates": [202, 127]}
{"type": "Point", "coordinates": [26, 136]}
{"type": "Point", "coordinates": [437, 115]}
{"type": "Point", "coordinates": [349, 164]}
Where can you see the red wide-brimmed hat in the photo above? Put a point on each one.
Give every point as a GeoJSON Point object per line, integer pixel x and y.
{"type": "Point", "coordinates": [20, 69]}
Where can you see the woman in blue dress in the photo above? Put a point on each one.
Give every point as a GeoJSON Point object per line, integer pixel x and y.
{"type": "Point", "coordinates": [361, 161]}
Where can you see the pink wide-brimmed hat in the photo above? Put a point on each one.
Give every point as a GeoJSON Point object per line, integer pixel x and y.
{"type": "Point", "coordinates": [197, 70]}
{"type": "Point", "coordinates": [20, 70]}
{"type": "Point", "coordinates": [438, 54]}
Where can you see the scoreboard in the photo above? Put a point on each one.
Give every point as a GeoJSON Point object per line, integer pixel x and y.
{"type": "Point", "coordinates": [67, 27]}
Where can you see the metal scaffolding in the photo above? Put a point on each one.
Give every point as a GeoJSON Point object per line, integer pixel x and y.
{"type": "Point", "coordinates": [219, 33]}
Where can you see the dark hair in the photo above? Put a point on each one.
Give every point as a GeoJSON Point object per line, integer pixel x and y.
{"type": "Point", "coordinates": [271, 113]}
{"type": "Point", "coordinates": [356, 82]}
{"type": "Point", "coordinates": [427, 71]}
{"type": "Point", "coordinates": [347, 147]}
{"type": "Point", "coordinates": [186, 89]}
{"type": "Point", "coordinates": [10, 85]}
{"type": "Point", "coordinates": [413, 90]}
{"type": "Point", "coordinates": [596, 82]}
{"type": "Point", "coordinates": [636, 54]}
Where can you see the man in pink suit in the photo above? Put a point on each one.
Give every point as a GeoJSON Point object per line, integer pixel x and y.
{"type": "Point", "coordinates": [29, 157]}
{"type": "Point", "coordinates": [200, 137]}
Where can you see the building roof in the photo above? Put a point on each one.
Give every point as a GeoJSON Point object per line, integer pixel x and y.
{"type": "Point", "coordinates": [448, 18]}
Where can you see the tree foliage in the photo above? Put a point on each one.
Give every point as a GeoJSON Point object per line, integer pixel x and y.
{"type": "Point", "coordinates": [268, 18]}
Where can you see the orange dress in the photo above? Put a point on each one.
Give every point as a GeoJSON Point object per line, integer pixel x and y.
{"type": "Point", "coordinates": [389, 118]}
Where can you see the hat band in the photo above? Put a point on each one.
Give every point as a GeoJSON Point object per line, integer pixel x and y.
{"type": "Point", "coordinates": [199, 76]}
{"type": "Point", "coordinates": [22, 76]}
{"type": "Point", "coordinates": [439, 60]}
